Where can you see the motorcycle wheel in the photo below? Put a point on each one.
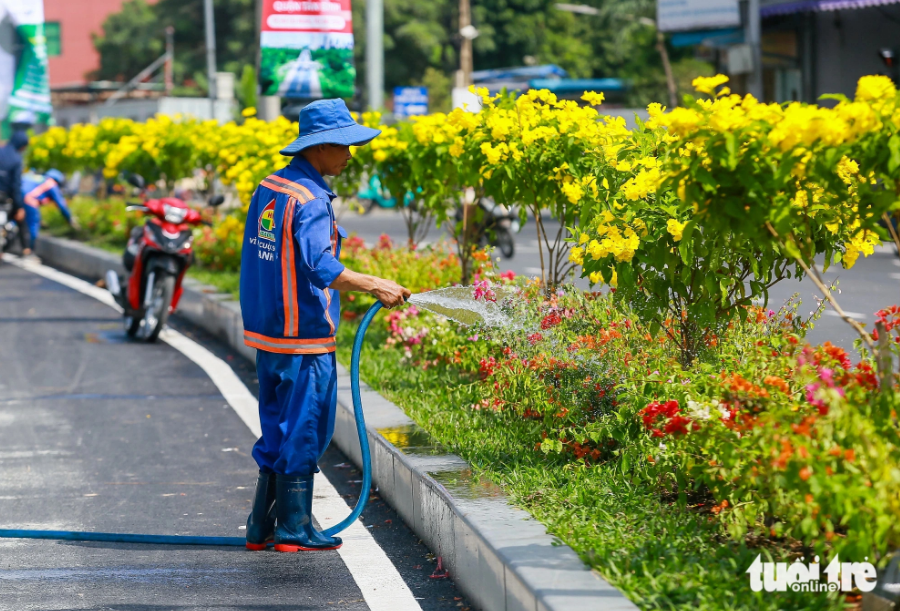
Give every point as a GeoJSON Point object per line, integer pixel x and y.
{"type": "Point", "coordinates": [505, 243]}
{"type": "Point", "coordinates": [132, 326]}
{"type": "Point", "coordinates": [156, 316]}
{"type": "Point", "coordinates": [8, 237]}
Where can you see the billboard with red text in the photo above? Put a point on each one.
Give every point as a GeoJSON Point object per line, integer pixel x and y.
{"type": "Point", "coordinates": [307, 49]}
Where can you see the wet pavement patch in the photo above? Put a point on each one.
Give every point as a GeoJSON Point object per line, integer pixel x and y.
{"type": "Point", "coordinates": [107, 337]}
{"type": "Point", "coordinates": [465, 485]}
{"type": "Point", "coordinates": [413, 439]}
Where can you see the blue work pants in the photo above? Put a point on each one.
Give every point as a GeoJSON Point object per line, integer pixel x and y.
{"type": "Point", "coordinates": [33, 220]}
{"type": "Point", "coordinates": [297, 401]}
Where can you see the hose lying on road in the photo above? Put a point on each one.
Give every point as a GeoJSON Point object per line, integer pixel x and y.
{"type": "Point", "coordinates": [65, 535]}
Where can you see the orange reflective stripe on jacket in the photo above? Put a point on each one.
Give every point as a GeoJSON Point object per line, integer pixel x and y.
{"type": "Point", "coordinates": [288, 278]}
{"type": "Point", "coordinates": [282, 185]}
{"type": "Point", "coordinates": [323, 345]}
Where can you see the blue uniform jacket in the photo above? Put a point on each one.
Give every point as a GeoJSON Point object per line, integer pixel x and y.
{"type": "Point", "coordinates": [36, 189]}
{"type": "Point", "coordinates": [291, 252]}
{"type": "Point", "coordinates": [11, 174]}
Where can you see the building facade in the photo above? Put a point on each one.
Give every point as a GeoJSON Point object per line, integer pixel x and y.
{"type": "Point", "coordinates": [815, 47]}
{"type": "Point", "coordinates": [69, 25]}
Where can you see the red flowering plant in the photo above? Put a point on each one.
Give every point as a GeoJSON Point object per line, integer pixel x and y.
{"type": "Point", "coordinates": [419, 270]}
{"type": "Point", "coordinates": [796, 445]}
{"type": "Point", "coordinates": [772, 438]}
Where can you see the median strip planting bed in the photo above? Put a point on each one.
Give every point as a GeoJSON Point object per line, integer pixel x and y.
{"type": "Point", "coordinates": [670, 427]}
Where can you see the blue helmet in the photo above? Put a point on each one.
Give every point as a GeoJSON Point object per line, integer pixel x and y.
{"type": "Point", "coordinates": [56, 175]}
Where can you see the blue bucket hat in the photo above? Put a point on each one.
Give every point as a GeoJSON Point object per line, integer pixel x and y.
{"type": "Point", "coordinates": [329, 122]}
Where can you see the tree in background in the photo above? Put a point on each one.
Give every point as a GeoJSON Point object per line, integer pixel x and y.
{"type": "Point", "coordinates": [420, 41]}
{"type": "Point", "coordinates": [135, 36]}
{"type": "Point", "coordinates": [246, 88]}
{"type": "Point", "coordinates": [422, 47]}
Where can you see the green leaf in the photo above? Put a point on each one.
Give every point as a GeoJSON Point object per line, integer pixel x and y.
{"type": "Point", "coordinates": [731, 147]}
{"type": "Point", "coordinates": [840, 97]}
{"type": "Point", "coordinates": [894, 148]}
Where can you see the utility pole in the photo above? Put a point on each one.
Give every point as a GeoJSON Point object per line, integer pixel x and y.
{"type": "Point", "coordinates": [375, 53]}
{"type": "Point", "coordinates": [170, 58]}
{"type": "Point", "coordinates": [464, 76]}
{"type": "Point", "coordinates": [753, 37]}
{"type": "Point", "coordinates": [667, 67]}
{"type": "Point", "coordinates": [209, 18]}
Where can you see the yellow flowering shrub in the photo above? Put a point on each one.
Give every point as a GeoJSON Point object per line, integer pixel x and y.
{"type": "Point", "coordinates": [534, 150]}
{"type": "Point", "coordinates": [694, 214]}
{"type": "Point", "coordinates": [738, 195]}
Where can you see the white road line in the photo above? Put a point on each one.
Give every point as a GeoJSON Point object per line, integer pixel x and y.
{"type": "Point", "coordinates": [376, 576]}
{"type": "Point", "coordinates": [855, 315]}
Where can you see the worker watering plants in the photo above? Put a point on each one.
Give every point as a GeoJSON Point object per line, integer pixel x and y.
{"type": "Point", "coordinates": [290, 277]}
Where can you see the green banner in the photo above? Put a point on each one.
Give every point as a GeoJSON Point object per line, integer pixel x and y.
{"type": "Point", "coordinates": [24, 81]}
{"type": "Point", "coordinates": [30, 99]}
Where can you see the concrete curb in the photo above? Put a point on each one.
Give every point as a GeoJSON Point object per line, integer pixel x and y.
{"type": "Point", "coordinates": [501, 557]}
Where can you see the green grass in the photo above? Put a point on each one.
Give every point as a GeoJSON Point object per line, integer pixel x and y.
{"type": "Point", "coordinates": [660, 554]}
{"type": "Point", "coordinates": [226, 282]}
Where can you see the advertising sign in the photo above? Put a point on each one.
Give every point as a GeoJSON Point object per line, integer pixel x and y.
{"type": "Point", "coordinates": [306, 49]}
{"type": "Point", "coordinates": [410, 101]}
{"type": "Point", "coordinates": [681, 15]}
{"type": "Point", "coordinates": [24, 81]}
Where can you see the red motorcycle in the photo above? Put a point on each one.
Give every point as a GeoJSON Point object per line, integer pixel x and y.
{"type": "Point", "coordinates": [156, 258]}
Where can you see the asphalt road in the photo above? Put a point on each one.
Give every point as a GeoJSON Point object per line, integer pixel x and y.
{"type": "Point", "coordinates": [98, 433]}
{"type": "Point", "coordinates": [526, 260]}
{"type": "Point", "coordinates": [872, 284]}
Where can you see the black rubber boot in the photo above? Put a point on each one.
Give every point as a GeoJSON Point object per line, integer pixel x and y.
{"type": "Point", "coordinates": [261, 521]}
{"type": "Point", "coordinates": [294, 531]}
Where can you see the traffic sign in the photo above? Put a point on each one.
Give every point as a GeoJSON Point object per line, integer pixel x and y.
{"type": "Point", "coordinates": [409, 101]}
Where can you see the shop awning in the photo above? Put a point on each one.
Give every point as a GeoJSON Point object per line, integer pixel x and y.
{"type": "Point", "coordinates": [808, 6]}
{"type": "Point", "coordinates": [561, 86]}
{"type": "Point", "coordinates": [708, 38]}
{"type": "Point", "coordinates": [520, 74]}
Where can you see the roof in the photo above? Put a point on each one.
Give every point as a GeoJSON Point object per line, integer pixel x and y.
{"type": "Point", "coordinates": [521, 74]}
{"type": "Point", "coordinates": [579, 85]}
{"type": "Point", "coordinates": [708, 38]}
{"type": "Point", "coordinates": [772, 8]}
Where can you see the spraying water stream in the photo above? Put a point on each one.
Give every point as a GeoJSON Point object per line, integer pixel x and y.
{"type": "Point", "coordinates": [459, 304]}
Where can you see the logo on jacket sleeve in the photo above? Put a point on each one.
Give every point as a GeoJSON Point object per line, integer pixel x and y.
{"type": "Point", "coordinates": [267, 222]}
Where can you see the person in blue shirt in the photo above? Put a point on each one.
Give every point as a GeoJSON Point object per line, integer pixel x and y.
{"type": "Point", "coordinates": [11, 182]}
{"type": "Point", "coordinates": [291, 276]}
{"type": "Point", "coordinates": [37, 190]}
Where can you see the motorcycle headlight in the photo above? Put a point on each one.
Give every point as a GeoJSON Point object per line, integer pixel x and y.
{"type": "Point", "coordinates": [174, 214]}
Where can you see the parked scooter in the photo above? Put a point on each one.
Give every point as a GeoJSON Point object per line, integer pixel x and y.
{"type": "Point", "coordinates": [376, 195]}
{"type": "Point", "coordinates": [502, 222]}
{"type": "Point", "coordinates": [9, 229]}
{"type": "Point", "coordinates": [156, 258]}
{"type": "Point", "coordinates": [495, 224]}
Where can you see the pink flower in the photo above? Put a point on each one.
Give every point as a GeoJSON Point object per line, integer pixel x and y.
{"type": "Point", "coordinates": [508, 275]}
{"type": "Point", "coordinates": [482, 290]}
{"type": "Point", "coordinates": [812, 400]}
